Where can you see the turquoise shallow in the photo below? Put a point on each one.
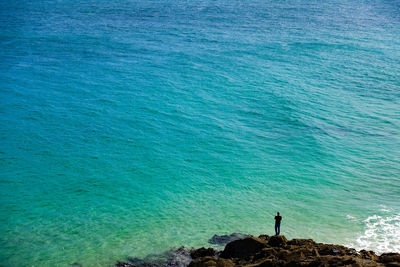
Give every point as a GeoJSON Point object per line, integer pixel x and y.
{"type": "Point", "coordinates": [129, 127]}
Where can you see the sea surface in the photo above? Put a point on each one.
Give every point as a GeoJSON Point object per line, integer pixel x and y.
{"type": "Point", "coordinates": [128, 127]}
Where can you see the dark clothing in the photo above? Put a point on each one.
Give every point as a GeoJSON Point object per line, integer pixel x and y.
{"type": "Point", "coordinates": [277, 229]}
{"type": "Point", "coordinates": [278, 220]}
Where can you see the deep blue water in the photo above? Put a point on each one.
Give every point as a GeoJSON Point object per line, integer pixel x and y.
{"type": "Point", "coordinates": [129, 127]}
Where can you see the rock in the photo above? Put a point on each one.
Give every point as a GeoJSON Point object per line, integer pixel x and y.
{"type": "Point", "coordinates": [351, 251]}
{"type": "Point", "coordinates": [171, 258]}
{"type": "Point", "coordinates": [334, 250]}
{"type": "Point", "coordinates": [290, 256]}
{"type": "Point", "coordinates": [124, 264]}
{"type": "Point", "coordinates": [264, 237]}
{"type": "Point", "coordinates": [211, 262]}
{"type": "Point", "coordinates": [178, 258]}
{"type": "Point", "coordinates": [390, 257]}
{"type": "Point", "coordinates": [338, 261]}
{"type": "Point", "coordinates": [301, 242]}
{"type": "Point", "coordinates": [139, 263]}
{"type": "Point", "coordinates": [277, 241]}
{"type": "Point", "coordinates": [225, 239]}
{"type": "Point", "coordinates": [264, 263]}
{"type": "Point", "coordinates": [369, 255]}
{"type": "Point", "coordinates": [305, 251]}
{"type": "Point", "coordinates": [202, 252]}
{"type": "Point", "coordinates": [243, 248]}
{"type": "Point", "coordinates": [266, 253]}
{"type": "Point", "coordinates": [346, 260]}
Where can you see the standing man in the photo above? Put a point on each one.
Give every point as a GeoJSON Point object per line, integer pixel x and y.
{"type": "Point", "coordinates": [278, 219]}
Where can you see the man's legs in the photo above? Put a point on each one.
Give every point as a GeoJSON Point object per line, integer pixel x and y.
{"type": "Point", "coordinates": [276, 229]}
{"type": "Point", "coordinates": [279, 229]}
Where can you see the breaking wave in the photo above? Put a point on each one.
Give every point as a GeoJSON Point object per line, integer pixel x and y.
{"type": "Point", "coordinates": [382, 234]}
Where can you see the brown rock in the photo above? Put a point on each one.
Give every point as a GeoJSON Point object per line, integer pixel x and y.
{"type": "Point", "coordinates": [277, 241]}
{"type": "Point", "coordinates": [338, 260]}
{"type": "Point", "coordinates": [124, 264]}
{"type": "Point", "coordinates": [243, 248]}
{"type": "Point", "coordinates": [264, 237]}
{"type": "Point", "coordinates": [202, 252]}
{"type": "Point", "coordinates": [301, 242]}
{"type": "Point", "coordinates": [264, 263]}
{"type": "Point", "coordinates": [315, 262]}
{"type": "Point", "coordinates": [211, 262]}
{"type": "Point", "coordinates": [291, 256]}
{"type": "Point", "coordinates": [389, 257]}
{"type": "Point", "coordinates": [266, 253]}
{"type": "Point", "coordinates": [347, 260]}
{"type": "Point", "coordinates": [369, 255]}
{"type": "Point", "coordinates": [329, 249]}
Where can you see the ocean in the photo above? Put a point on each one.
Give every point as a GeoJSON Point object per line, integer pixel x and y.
{"type": "Point", "coordinates": [131, 127]}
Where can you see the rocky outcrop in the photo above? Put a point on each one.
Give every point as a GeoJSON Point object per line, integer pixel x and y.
{"type": "Point", "coordinates": [265, 251]}
{"type": "Point", "coordinates": [202, 252]}
{"type": "Point", "coordinates": [390, 259]}
{"type": "Point", "coordinates": [243, 248]}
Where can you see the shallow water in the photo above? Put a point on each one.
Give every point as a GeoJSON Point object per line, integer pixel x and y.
{"type": "Point", "coordinates": [129, 127]}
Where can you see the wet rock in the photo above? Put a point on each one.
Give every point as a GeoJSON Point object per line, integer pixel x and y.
{"type": "Point", "coordinates": [202, 252]}
{"type": "Point", "coordinates": [178, 258]}
{"type": "Point", "coordinates": [211, 262]}
{"type": "Point", "coordinates": [243, 248]}
{"type": "Point", "coordinates": [277, 241]}
{"type": "Point", "coordinates": [225, 239]}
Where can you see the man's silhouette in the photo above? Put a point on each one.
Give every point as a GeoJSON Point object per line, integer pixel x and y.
{"type": "Point", "coordinates": [278, 219]}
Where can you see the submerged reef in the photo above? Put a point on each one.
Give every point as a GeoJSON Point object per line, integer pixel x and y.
{"type": "Point", "coordinates": [265, 251]}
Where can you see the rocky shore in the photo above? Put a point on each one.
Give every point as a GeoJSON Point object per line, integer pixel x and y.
{"type": "Point", "coordinates": [264, 251]}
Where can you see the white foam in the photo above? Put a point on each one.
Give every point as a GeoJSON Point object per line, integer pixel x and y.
{"type": "Point", "coordinates": [382, 234]}
{"type": "Point", "coordinates": [385, 209]}
{"type": "Point", "coordinates": [351, 218]}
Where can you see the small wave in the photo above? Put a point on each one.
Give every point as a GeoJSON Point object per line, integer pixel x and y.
{"type": "Point", "coordinates": [351, 218]}
{"type": "Point", "coordinates": [382, 234]}
{"type": "Point", "coordinates": [385, 209]}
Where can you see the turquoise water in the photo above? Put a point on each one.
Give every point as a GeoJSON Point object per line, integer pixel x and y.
{"type": "Point", "coordinates": [130, 127]}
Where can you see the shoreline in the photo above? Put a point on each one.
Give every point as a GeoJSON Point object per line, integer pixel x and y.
{"type": "Point", "coordinates": [264, 251]}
